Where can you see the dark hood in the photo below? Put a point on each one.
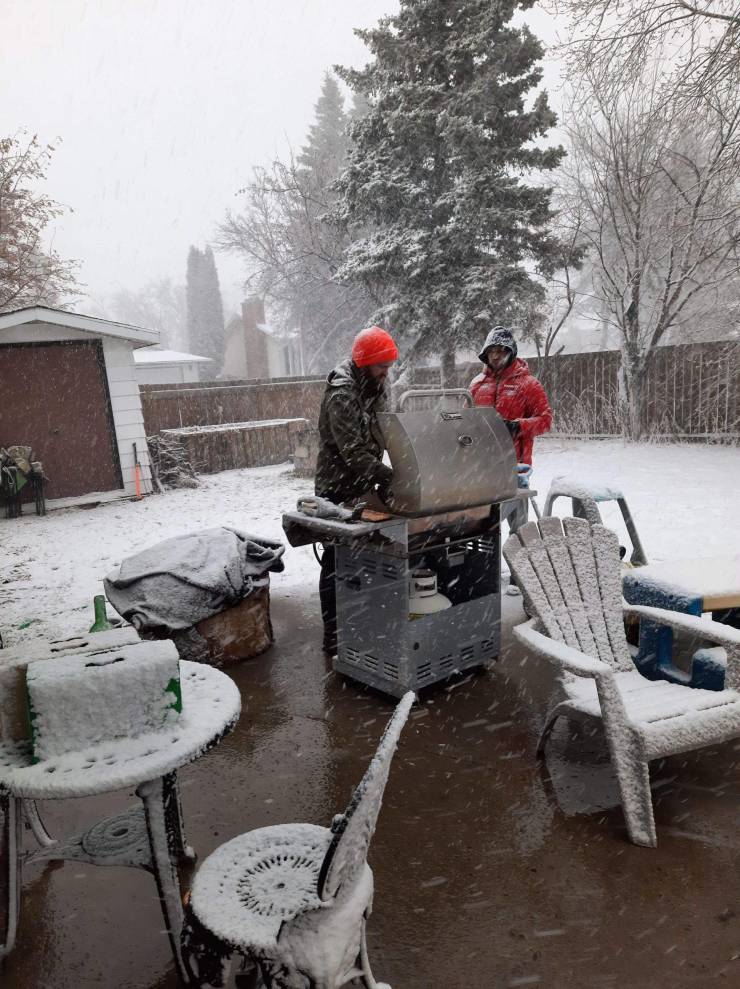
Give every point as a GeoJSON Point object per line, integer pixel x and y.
{"type": "Point", "coordinates": [499, 336]}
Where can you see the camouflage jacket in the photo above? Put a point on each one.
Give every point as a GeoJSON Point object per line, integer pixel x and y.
{"type": "Point", "coordinates": [351, 444]}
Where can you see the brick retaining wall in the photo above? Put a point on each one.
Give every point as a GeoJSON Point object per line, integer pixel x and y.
{"type": "Point", "coordinates": [242, 444]}
{"type": "Point", "coordinates": [213, 403]}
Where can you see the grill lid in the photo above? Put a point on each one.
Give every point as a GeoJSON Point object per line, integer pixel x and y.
{"type": "Point", "coordinates": [444, 461]}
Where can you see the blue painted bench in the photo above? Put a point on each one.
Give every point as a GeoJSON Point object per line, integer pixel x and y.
{"type": "Point", "coordinates": [693, 587]}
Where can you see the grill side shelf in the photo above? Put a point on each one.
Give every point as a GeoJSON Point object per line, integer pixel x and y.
{"type": "Point", "coordinates": [302, 530]}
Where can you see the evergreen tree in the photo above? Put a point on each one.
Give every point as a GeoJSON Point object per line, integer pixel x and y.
{"type": "Point", "coordinates": [193, 283]}
{"type": "Point", "coordinates": [205, 315]}
{"type": "Point", "coordinates": [446, 229]}
{"type": "Point", "coordinates": [326, 147]}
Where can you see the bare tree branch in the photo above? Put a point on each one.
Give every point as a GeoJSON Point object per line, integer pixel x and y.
{"type": "Point", "coordinates": [29, 273]}
{"type": "Point", "coordinates": [657, 188]}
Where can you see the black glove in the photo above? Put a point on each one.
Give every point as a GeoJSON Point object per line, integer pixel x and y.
{"type": "Point", "coordinates": [513, 426]}
{"type": "Point", "coordinates": [384, 483]}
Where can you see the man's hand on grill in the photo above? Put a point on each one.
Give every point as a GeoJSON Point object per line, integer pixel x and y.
{"type": "Point", "coordinates": [384, 484]}
{"type": "Point", "coordinates": [513, 426]}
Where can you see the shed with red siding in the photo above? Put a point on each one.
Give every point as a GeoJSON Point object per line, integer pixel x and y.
{"type": "Point", "coordinates": [68, 389]}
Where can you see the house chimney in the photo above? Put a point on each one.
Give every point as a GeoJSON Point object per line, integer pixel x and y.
{"type": "Point", "coordinates": [255, 341]}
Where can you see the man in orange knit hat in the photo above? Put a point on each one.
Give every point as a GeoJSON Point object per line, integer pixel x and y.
{"type": "Point", "coordinates": [350, 461]}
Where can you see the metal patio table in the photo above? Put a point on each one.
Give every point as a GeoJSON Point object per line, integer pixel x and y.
{"type": "Point", "coordinates": [148, 836]}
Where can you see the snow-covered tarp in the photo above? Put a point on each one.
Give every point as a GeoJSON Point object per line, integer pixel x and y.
{"type": "Point", "coordinates": [177, 583]}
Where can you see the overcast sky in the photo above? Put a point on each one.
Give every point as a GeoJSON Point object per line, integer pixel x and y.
{"type": "Point", "coordinates": [163, 107]}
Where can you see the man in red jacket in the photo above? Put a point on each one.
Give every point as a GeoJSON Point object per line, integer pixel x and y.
{"type": "Point", "coordinates": [519, 398]}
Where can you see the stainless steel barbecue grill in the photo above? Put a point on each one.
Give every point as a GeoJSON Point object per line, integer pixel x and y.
{"type": "Point", "coordinates": [451, 472]}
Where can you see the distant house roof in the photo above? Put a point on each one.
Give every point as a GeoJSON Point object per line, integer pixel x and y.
{"type": "Point", "coordinates": [281, 335]}
{"type": "Point", "coordinates": [269, 330]}
{"type": "Point", "coordinates": [148, 355]}
{"type": "Point", "coordinates": [78, 321]}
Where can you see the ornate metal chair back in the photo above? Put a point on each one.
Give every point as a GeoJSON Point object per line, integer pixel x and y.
{"type": "Point", "coordinates": [354, 829]}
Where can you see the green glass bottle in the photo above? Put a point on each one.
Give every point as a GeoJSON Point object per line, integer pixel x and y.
{"type": "Point", "coordinates": [101, 623]}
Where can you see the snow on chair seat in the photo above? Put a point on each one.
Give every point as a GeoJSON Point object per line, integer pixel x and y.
{"type": "Point", "coordinates": [570, 578]}
{"type": "Point", "coordinates": [668, 713]}
{"type": "Point", "coordinates": [293, 899]}
{"type": "Point", "coordinates": [258, 880]}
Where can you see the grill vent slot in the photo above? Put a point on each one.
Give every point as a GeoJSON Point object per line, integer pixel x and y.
{"type": "Point", "coordinates": [446, 663]}
{"type": "Point", "coordinates": [392, 571]}
{"type": "Point", "coordinates": [369, 562]}
{"type": "Point", "coordinates": [488, 648]}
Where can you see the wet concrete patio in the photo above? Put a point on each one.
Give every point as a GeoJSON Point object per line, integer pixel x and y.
{"type": "Point", "coordinates": [492, 870]}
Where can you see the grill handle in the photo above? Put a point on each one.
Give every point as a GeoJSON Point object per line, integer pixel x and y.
{"type": "Point", "coordinates": [435, 393]}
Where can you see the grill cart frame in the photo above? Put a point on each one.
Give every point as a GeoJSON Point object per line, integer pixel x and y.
{"type": "Point", "coordinates": [452, 470]}
{"type": "Point", "coordinates": [380, 645]}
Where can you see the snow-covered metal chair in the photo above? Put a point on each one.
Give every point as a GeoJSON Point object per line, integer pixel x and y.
{"type": "Point", "coordinates": [293, 899]}
{"type": "Point", "coordinates": [585, 498]}
{"type": "Point", "coordinates": [570, 577]}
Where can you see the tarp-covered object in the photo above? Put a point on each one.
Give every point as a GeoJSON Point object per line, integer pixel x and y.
{"type": "Point", "coordinates": [183, 580]}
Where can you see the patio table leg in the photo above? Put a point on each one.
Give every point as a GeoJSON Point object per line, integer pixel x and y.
{"type": "Point", "coordinates": [166, 845]}
{"type": "Point", "coordinates": [10, 870]}
{"type": "Point", "coordinates": [174, 819]}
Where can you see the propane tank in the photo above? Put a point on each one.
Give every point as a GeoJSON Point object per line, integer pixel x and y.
{"type": "Point", "coordinates": [424, 599]}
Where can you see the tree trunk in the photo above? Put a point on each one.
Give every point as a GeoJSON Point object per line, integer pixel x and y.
{"type": "Point", "coordinates": [449, 377]}
{"type": "Point", "coordinates": [633, 378]}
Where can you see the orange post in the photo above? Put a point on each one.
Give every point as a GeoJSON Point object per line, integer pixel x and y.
{"type": "Point", "coordinates": [137, 473]}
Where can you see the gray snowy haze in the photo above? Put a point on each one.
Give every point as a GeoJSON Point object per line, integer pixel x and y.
{"type": "Point", "coordinates": [163, 108]}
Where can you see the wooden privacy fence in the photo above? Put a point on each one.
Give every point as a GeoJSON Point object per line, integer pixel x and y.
{"type": "Point", "coordinates": [693, 390]}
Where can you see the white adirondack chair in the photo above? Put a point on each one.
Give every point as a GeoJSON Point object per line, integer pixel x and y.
{"type": "Point", "coordinates": [293, 899]}
{"type": "Point", "coordinates": [570, 578]}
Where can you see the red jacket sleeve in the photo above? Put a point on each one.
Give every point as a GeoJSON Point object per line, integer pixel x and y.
{"type": "Point", "coordinates": [475, 386]}
{"type": "Point", "coordinates": [538, 414]}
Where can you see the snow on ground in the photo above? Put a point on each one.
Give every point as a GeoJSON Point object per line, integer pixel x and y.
{"type": "Point", "coordinates": [683, 498]}
{"type": "Point", "coordinates": [51, 567]}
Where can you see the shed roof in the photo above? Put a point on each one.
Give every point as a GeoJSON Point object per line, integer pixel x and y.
{"type": "Point", "coordinates": [78, 321]}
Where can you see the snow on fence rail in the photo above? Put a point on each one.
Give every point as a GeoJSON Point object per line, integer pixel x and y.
{"type": "Point", "coordinates": [693, 391]}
